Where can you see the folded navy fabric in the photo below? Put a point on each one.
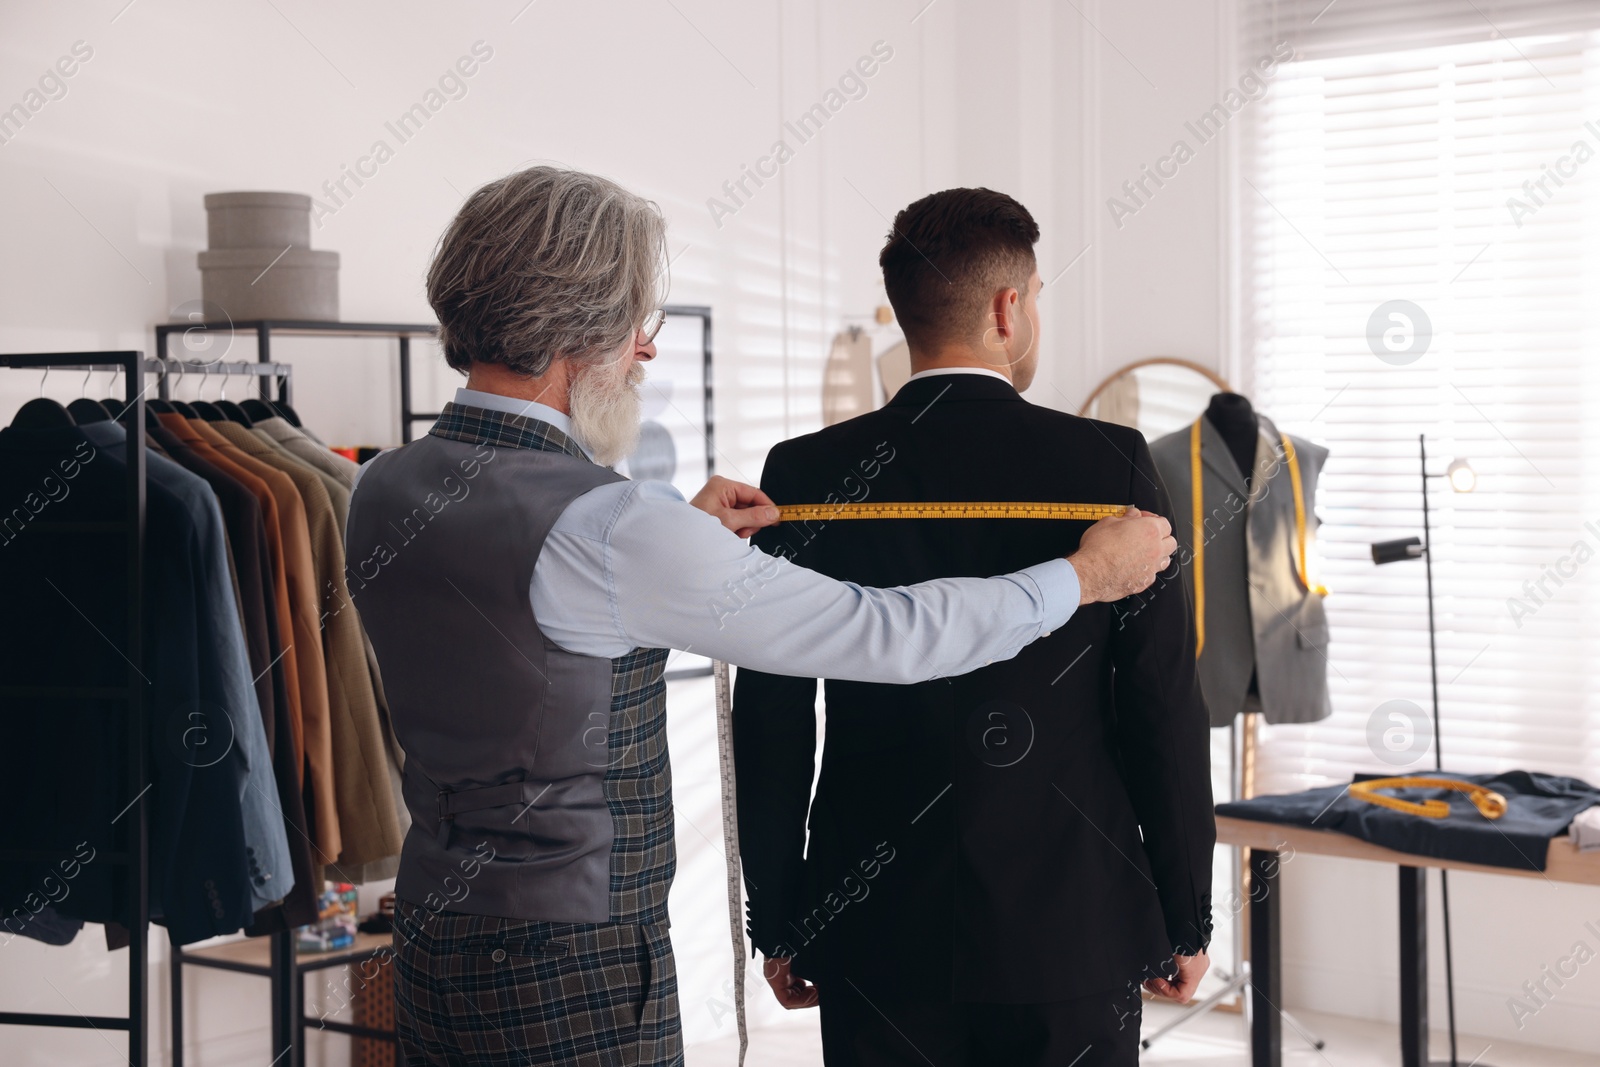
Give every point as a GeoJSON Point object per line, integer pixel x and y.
{"type": "Point", "coordinates": [1538, 808]}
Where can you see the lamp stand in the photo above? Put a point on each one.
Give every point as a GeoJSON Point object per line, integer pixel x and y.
{"type": "Point", "coordinates": [1438, 753]}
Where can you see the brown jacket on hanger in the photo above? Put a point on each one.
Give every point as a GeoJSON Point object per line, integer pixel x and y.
{"type": "Point", "coordinates": [368, 826]}
{"type": "Point", "coordinates": [304, 607]}
{"type": "Point", "coordinates": [179, 427]}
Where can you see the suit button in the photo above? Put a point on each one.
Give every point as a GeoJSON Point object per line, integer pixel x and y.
{"type": "Point", "coordinates": [498, 955]}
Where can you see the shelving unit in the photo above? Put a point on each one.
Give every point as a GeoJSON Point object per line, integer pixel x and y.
{"type": "Point", "coordinates": [266, 329]}
{"type": "Point", "coordinates": [255, 956]}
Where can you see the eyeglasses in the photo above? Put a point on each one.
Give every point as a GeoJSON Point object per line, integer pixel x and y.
{"type": "Point", "coordinates": [652, 325]}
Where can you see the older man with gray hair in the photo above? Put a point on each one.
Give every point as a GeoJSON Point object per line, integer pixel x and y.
{"type": "Point", "coordinates": [522, 598]}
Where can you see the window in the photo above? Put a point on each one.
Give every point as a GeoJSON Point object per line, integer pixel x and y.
{"type": "Point", "coordinates": [1419, 253]}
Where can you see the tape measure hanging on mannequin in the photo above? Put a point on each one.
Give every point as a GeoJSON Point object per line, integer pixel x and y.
{"type": "Point", "coordinates": [1197, 536]}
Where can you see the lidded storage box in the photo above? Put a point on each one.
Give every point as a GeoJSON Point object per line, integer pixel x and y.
{"type": "Point", "coordinates": [260, 263]}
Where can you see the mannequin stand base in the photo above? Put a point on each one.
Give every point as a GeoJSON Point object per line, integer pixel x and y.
{"type": "Point", "coordinates": [1236, 985]}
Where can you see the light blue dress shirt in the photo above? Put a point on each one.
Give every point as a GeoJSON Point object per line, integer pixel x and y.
{"type": "Point", "coordinates": [633, 564]}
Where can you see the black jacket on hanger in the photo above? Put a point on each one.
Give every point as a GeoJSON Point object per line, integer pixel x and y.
{"type": "Point", "coordinates": [64, 761]}
{"type": "Point", "coordinates": [1037, 830]}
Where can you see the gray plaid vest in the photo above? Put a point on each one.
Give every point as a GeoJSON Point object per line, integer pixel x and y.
{"type": "Point", "coordinates": [537, 780]}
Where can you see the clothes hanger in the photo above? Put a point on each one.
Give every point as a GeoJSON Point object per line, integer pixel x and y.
{"type": "Point", "coordinates": [256, 410]}
{"type": "Point", "coordinates": [189, 409]}
{"type": "Point", "coordinates": [113, 403]}
{"type": "Point", "coordinates": [282, 408]}
{"type": "Point", "coordinates": [85, 411]}
{"type": "Point", "coordinates": [230, 411]}
{"type": "Point", "coordinates": [42, 413]}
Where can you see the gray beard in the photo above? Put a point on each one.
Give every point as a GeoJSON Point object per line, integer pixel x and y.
{"type": "Point", "coordinates": [606, 409]}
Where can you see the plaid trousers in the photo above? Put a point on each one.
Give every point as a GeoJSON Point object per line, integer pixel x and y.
{"type": "Point", "coordinates": [480, 991]}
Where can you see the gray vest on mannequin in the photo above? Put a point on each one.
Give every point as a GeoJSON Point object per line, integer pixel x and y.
{"type": "Point", "coordinates": [537, 779]}
{"type": "Point", "coordinates": [1261, 620]}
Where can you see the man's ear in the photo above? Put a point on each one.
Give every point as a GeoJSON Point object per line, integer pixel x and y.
{"type": "Point", "coordinates": [1003, 311]}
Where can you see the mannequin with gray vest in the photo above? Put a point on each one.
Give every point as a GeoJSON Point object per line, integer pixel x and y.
{"type": "Point", "coordinates": [522, 598]}
{"type": "Point", "coordinates": [1243, 496]}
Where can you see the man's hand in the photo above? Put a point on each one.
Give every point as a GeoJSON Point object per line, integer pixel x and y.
{"type": "Point", "coordinates": [792, 992]}
{"type": "Point", "coordinates": [1119, 557]}
{"type": "Point", "coordinates": [744, 509]}
{"type": "Point", "coordinates": [1181, 989]}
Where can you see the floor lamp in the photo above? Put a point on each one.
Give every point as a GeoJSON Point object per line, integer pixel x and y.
{"type": "Point", "coordinates": [1462, 479]}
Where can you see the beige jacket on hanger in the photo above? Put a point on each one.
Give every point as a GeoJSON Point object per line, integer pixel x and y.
{"type": "Point", "coordinates": [369, 826]}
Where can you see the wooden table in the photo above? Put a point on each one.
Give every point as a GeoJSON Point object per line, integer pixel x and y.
{"type": "Point", "coordinates": [1265, 841]}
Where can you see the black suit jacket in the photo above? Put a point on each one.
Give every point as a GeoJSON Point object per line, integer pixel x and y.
{"type": "Point", "coordinates": [64, 761]}
{"type": "Point", "coordinates": [1036, 830]}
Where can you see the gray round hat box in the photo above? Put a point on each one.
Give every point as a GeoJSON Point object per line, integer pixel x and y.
{"type": "Point", "coordinates": [260, 263]}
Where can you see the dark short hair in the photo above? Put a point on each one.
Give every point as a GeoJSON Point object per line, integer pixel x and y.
{"type": "Point", "coordinates": [542, 263]}
{"type": "Point", "coordinates": [946, 257]}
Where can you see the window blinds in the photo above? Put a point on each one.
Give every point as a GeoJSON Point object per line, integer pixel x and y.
{"type": "Point", "coordinates": [1417, 153]}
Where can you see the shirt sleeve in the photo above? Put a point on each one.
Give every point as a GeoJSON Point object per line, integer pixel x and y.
{"type": "Point", "coordinates": [633, 564]}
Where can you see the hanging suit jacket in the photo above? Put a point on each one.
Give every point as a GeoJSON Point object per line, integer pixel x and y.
{"type": "Point", "coordinates": [312, 451]}
{"type": "Point", "coordinates": [64, 760]}
{"type": "Point", "coordinates": [338, 475]}
{"type": "Point", "coordinates": [368, 827]}
{"type": "Point", "coordinates": [1037, 830]}
{"type": "Point", "coordinates": [228, 724]}
{"type": "Point", "coordinates": [1260, 617]}
{"type": "Point", "coordinates": [247, 538]}
{"type": "Point", "coordinates": [305, 618]}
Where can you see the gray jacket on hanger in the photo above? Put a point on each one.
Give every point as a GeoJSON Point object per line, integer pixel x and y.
{"type": "Point", "coordinates": [1260, 617]}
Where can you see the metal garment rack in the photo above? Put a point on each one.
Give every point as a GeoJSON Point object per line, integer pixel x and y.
{"type": "Point", "coordinates": [268, 373]}
{"type": "Point", "coordinates": [286, 971]}
{"type": "Point", "coordinates": [266, 329]}
{"type": "Point", "coordinates": [134, 853]}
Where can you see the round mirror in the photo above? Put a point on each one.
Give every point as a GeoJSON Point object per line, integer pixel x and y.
{"type": "Point", "coordinates": [1155, 396]}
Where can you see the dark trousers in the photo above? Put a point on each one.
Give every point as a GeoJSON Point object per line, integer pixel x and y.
{"type": "Point", "coordinates": [861, 1030]}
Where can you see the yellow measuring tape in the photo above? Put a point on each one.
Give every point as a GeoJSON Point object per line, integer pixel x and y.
{"type": "Point", "coordinates": [1198, 529]}
{"type": "Point", "coordinates": [1490, 803]}
{"type": "Point", "coordinates": [949, 510]}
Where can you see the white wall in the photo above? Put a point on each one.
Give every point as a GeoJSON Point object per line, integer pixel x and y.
{"type": "Point", "coordinates": [1057, 104]}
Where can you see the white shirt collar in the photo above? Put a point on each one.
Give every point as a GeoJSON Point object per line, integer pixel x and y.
{"type": "Point", "coordinates": [530, 409]}
{"type": "Point", "coordinates": [959, 370]}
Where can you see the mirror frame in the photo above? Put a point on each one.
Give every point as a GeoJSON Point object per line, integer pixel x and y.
{"type": "Point", "coordinates": [1216, 379]}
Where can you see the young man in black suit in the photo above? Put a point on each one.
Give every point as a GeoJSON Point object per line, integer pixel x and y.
{"type": "Point", "coordinates": [996, 862]}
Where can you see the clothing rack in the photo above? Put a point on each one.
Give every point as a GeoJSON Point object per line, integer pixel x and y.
{"type": "Point", "coordinates": [134, 852]}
